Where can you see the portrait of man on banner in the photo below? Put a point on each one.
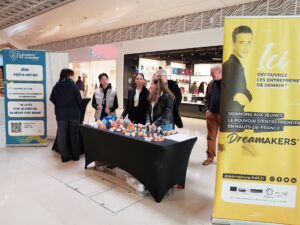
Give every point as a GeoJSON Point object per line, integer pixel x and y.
{"type": "Point", "coordinates": [235, 94]}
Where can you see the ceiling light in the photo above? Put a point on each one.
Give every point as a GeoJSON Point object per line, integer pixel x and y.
{"type": "Point", "coordinates": [117, 8]}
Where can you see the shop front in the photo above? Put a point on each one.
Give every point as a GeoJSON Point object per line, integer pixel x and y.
{"type": "Point", "coordinates": [190, 68]}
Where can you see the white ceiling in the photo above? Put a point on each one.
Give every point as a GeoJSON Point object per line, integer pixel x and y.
{"type": "Point", "coordinates": [82, 17]}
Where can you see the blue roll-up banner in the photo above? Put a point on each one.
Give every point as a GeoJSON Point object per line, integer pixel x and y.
{"type": "Point", "coordinates": [25, 97]}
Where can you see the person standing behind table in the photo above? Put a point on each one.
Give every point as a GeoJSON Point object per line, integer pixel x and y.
{"type": "Point", "coordinates": [172, 85]}
{"type": "Point", "coordinates": [235, 94]}
{"type": "Point", "coordinates": [212, 108]}
{"type": "Point", "coordinates": [105, 99]}
{"type": "Point", "coordinates": [137, 103]}
{"type": "Point", "coordinates": [161, 103]}
{"type": "Point", "coordinates": [66, 99]}
{"type": "Point", "coordinates": [175, 90]}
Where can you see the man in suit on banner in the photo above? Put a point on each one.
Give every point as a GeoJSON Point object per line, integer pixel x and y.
{"type": "Point", "coordinates": [235, 95]}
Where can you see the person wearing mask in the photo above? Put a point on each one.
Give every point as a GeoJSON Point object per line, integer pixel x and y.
{"type": "Point", "coordinates": [212, 107]}
{"type": "Point", "coordinates": [137, 103]}
{"type": "Point", "coordinates": [105, 100]}
{"type": "Point", "coordinates": [161, 103]}
{"type": "Point", "coordinates": [67, 99]}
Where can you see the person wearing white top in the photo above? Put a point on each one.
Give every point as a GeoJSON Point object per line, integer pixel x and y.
{"type": "Point", "coordinates": [137, 103]}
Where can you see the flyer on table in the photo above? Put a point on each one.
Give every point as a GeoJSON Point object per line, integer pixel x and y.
{"type": "Point", "coordinates": [258, 169]}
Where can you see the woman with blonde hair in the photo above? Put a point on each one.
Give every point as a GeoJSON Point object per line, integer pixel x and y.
{"type": "Point", "coordinates": [161, 104]}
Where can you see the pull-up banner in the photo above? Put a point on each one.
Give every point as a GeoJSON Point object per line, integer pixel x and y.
{"type": "Point", "coordinates": [258, 169]}
{"type": "Point", "coordinates": [25, 97]}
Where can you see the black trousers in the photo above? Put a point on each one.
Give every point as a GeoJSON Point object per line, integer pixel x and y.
{"type": "Point", "coordinates": [68, 138]}
{"type": "Point", "coordinates": [137, 116]}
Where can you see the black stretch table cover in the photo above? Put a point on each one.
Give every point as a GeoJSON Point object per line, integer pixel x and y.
{"type": "Point", "coordinates": [83, 106]}
{"type": "Point", "coordinates": [159, 166]}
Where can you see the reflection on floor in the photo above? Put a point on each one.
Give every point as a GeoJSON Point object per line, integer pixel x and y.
{"type": "Point", "coordinates": [37, 188]}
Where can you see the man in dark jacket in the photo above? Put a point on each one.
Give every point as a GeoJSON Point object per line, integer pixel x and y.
{"type": "Point", "coordinates": [212, 107]}
{"type": "Point", "coordinates": [66, 99]}
{"type": "Point", "coordinates": [79, 84]}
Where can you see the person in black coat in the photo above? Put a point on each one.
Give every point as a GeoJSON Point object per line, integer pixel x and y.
{"type": "Point", "coordinates": [175, 90]}
{"type": "Point", "coordinates": [67, 99]}
{"type": "Point", "coordinates": [79, 84]}
{"type": "Point", "coordinates": [172, 85]}
{"type": "Point", "coordinates": [161, 104]}
{"type": "Point", "coordinates": [137, 103]}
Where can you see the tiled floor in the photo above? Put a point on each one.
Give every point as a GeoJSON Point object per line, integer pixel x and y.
{"type": "Point", "coordinates": [37, 189]}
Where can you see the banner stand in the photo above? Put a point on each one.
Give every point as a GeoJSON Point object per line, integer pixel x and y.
{"type": "Point", "coordinates": [25, 97]}
{"type": "Point", "coordinates": [258, 170]}
{"type": "Point", "coordinates": [238, 222]}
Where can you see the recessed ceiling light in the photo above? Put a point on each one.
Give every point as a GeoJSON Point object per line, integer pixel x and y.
{"type": "Point", "coordinates": [117, 8]}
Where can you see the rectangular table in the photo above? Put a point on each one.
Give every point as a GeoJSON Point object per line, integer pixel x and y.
{"type": "Point", "coordinates": [158, 166]}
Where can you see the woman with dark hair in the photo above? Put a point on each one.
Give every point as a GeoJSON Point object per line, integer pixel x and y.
{"type": "Point", "coordinates": [137, 103]}
{"type": "Point", "coordinates": [161, 99]}
{"type": "Point", "coordinates": [66, 99]}
{"type": "Point", "coordinates": [105, 100]}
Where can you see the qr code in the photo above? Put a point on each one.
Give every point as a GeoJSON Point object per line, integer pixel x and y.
{"type": "Point", "coordinates": [16, 127]}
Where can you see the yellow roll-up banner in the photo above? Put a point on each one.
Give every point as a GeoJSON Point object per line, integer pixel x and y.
{"type": "Point", "coordinates": [258, 169]}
